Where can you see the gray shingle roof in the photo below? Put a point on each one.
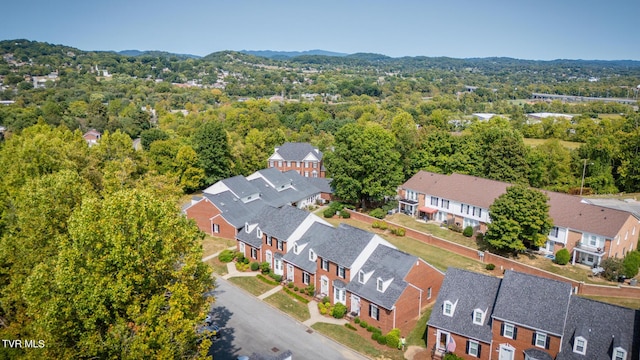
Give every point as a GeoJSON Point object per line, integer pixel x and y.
{"type": "Point", "coordinates": [324, 184]}
{"type": "Point", "coordinates": [234, 210]}
{"type": "Point", "coordinates": [240, 186]}
{"type": "Point", "coordinates": [534, 302]}
{"type": "Point", "coordinates": [282, 222]}
{"type": "Point", "coordinates": [385, 263]}
{"type": "Point", "coordinates": [275, 177]}
{"type": "Point", "coordinates": [347, 242]}
{"type": "Point", "coordinates": [313, 238]}
{"type": "Point", "coordinates": [250, 238]}
{"type": "Point", "coordinates": [297, 151]}
{"type": "Point", "coordinates": [604, 326]}
{"type": "Point", "coordinates": [469, 291]}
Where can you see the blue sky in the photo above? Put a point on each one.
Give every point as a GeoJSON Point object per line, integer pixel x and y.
{"type": "Point", "coordinates": [539, 30]}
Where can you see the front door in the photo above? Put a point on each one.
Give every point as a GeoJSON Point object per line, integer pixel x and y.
{"type": "Point", "coordinates": [443, 340]}
{"type": "Point", "coordinates": [278, 268]}
{"type": "Point", "coordinates": [355, 305]}
{"type": "Point", "coordinates": [506, 352]}
{"type": "Point", "coordinates": [289, 272]}
{"type": "Point", "coordinates": [324, 285]}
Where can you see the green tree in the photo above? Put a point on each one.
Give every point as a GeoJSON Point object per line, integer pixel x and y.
{"type": "Point", "coordinates": [151, 135]}
{"type": "Point", "coordinates": [128, 282]}
{"type": "Point", "coordinates": [519, 219]}
{"type": "Point", "coordinates": [212, 146]}
{"type": "Point", "coordinates": [365, 163]}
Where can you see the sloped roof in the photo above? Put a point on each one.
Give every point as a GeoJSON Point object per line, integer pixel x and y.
{"type": "Point", "coordinates": [535, 302]}
{"type": "Point", "coordinates": [347, 242]}
{"type": "Point", "coordinates": [282, 222]}
{"type": "Point", "coordinates": [275, 177]}
{"type": "Point", "coordinates": [470, 291]}
{"type": "Point", "coordinates": [240, 186]}
{"type": "Point", "coordinates": [386, 263]}
{"type": "Point", "coordinates": [324, 184]}
{"type": "Point", "coordinates": [604, 326]}
{"type": "Point", "coordinates": [313, 238]}
{"type": "Point", "coordinates": [234, 210]}
{"type": "Point", "coordinates": [297, 151]}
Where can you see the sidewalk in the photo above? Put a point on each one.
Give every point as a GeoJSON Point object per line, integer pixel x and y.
{"type": "Point", "coordinates": [317, 317]}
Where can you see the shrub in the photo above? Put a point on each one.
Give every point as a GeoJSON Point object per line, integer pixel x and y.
{"type": "Point", "coordinates": [290, 285]}
{"type": "Point", "coordinates": [345, 214]}
{"type": "Point", "coordinates": [265, 267]}
{"type": "Point", "coordinates": [374, 336]}
{"type": "Point", "coordinates": [302, 290]}
{"type": "Point", "coordinates": [356, 320]}
{"type": "Point", "coordinates": [226, 256]}
{"type": "Point", "coordinates": [468, 231]}
{"type": "Point", "coordinates": [400, 232]}
{"type": "Point", "coordinates": [384, 225]}
{"type": "Point", "coordinates": [382, 339]}
{"type": "Point", "coordinates": [377, 213]}
{"type": "Point", "coordinates": [363, 324]}
{"type": "Point", "coordinates": [322, 308]}
{"type": "Point", "coordinates": [375, 224]}
{"type": "Point", "coordinates": [276, 277]}
{"type": "Point", "coordinates": [339, 310]}
{"type": "Point", "coordinates": [562, 257]}
{"type": "Point", "coordinates": [393, 338]}
{"type": "Point", "coordinates": [456, 228]}
{"type": "Point", "coordinates": [295, 288]}
{"type": "Point", "coordinates": [349, 326]}
{"type": "Point", "coordinates": [631, 263]}
{"type": "Point", "coordinates": [490, 266]}
{"type": "Point", "coordinates": [310, 290]}
{"type": "Point", "coordinates": [612, 268]}
{"type": "Point", "coordinates": [245, 261]}
{"type": "Point", "coordinates": [328, 212]}
{"type": "Point", "coordinates": [479, 237]}
{"type": "Point", "coordinates": [451, 356]}
{"type": "Point", "coordinates": [255, 266]}
{"type": "Point", "coordinates": [325, 299]}
{"type": "Point", "coordinates": [296, 296]}
{"type": "Point", "coordinates": [240, 258]}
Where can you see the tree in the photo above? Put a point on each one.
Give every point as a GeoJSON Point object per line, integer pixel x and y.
{"type": "Point", "coordinates": [128, 282]}
{"type": "Point", "coordinates": [519, 219]}
{"type": "Point", "coordinates": [365, 163]}
{"type": "Point", "coordinates": [212, 146]}
{"type": "Point", "coordinates": [151, 135]}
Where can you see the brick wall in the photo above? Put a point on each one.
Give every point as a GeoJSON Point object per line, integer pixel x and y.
{"type": "Point", "coordinates": [205, 214]}
{"type": "Point", "coordinates": [461, 345]}
{"type": "Point", "coordinates": [508, 264]}
{"type": "Point", "coordinates": [523, 341]}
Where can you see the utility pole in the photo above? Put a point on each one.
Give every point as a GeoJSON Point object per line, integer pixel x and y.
{"type": "Point", "coordinates": [584, 169]}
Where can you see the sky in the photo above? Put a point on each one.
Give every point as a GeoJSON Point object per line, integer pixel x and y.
{"type": "Point", "coordinates": [533, 29]}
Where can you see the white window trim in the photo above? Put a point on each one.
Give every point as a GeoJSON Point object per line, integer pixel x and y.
{"type": "Point", "coordinates": [584, 345]}
{"type": "Point", "coordinates": [620, 350]}
{"type": "Point", "coordinates": [475, 313]}
{"type": "Point", "coordinates": [361, 277]}
{"type": "Point", "coordinates": [259, 233]}
{"type": "Point", "coordinates": [452, 305]}
{"type": "Point", "coordinates": [379, 285]}
{"type": "Point", "coordinates": [539, 336]}
{"type": "Point", "coordinates": [296, 250]}
{"type": "Point", "coordinates": [312, 255]}
{"type": "Point", "coordinates": [373, 307]}
{"type": "Point", "coordinates": [513, 330]}
{"type": "Point", "coordinates": [322, 263]}
{"type": "Point", "coordinates": [477, 344]}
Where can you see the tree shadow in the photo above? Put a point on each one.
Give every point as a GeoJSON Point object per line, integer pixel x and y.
{"type": "Point", "coordinates": [222, 347]}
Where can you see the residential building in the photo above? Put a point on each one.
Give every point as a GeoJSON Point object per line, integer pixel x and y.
{"type": "Point", "coordinates": [590, 232]}
{"type": "Point", "coordinates": [92, 137]}
{"type": "Point", "coordinates": [301, 157]}
{"type": "Point", "coordinates": [525, 317]}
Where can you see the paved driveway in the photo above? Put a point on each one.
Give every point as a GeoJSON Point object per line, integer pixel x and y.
{"type": "Point", "coordinates": [248, 325]}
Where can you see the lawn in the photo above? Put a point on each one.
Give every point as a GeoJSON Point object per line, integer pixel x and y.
{"type": "Point", "coordinates": [571, 145]}
{"type": "Point", "coordinates": [212, 245]}
{"type": "Point", "coordinates": [251, 284]}
{"type": "Point", "coordinates": [416, 336]}
{"type": "Point", "coordinates": [626, 302]}
{"type": "Point", "coordinates": [219, 268]}
{"type": "Point", "coordinates": [355, 341]}
{"type": "Point", "coordinates": [289, 305]}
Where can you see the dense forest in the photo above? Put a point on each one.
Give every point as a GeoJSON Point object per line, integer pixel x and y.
{"type": "Point", "coordinates": [378, 119]}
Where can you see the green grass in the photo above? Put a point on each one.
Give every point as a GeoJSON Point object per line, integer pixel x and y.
{"type": "Point", "coordinates": [289, 305]}
{"type": "Point", "coordinates": [571, 145]}
{"type": "Point", "coordinates": [626, 302]}
{"type": "Point", "coordinates": [353, 340]}
{"type": "Point", "coordinates": [252, 285]}
{"type": "Point", "coordinates": [219, 268]}
{"type": "Point", "coordinates": [416, 336]}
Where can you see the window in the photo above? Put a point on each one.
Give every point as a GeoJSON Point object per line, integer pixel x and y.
{"type": "Point", "coordinates": [259, 233]}
{"type": "Point", "coordinates": [325, 264]}
{"type": "Point", "coordinates": [306, 164]}
{"type": "Point", "coordinates": [289, 163]}
{"type": "Point", "coordinates": [241, 247]}
{"type": "Point", "coordinates": [246, 227]}
{"type": "Point", "coordinates": [374, 313]}
{"type": "Point", "coordinates": [361, 277]}
{"type": "Point", "coordinates": [478, 317]}
{"type": "Point", "coordinates": [593, 240]}
{"type": "Point", "coordinates": [580, 345]}
{"type": "Point", "coordinates": [434, 201]}
{"type": "Point", "coordinates": [445, 204]}
{"type": "Point", "coordinates": [295, 249]}
{"type": "Point", "coordinates": [254, 253]}
{"type": "Point", "coordinates": [270, 163]}
{"type": "Point", "coordinates": [280, 163]}
{"type": "Point", "coordinates": [312, 256]}
{"type": "Point", "coordinates": [473, 348]}
{"type": "Point", "coordinates": [554, 232]}
{"type": "Point", "coordinates": [306, 174]}
{"type": "Point", "coordinates": [633, 231]}
{"type": "Point", "coordinates": [429, 293]}
{"type": "Point", "coordinates": [269, 241]}
{"type": "Point", "coordinates": [380, 285]}
{"type": "Point", "coordinates": [305, 278]}
{"type": "Point", "coordinates": [340, 272]}
{"type": "Point", "coordinates": [477, 211]}
{"type": "Point", "coordinates": [541, 340]}
{"type": "Point", "coordinates": [509, 331]}
{"type": "Point", "coordinates": [464, 208]}
{"type": "Point", "coordinates": [315, 164]}
{"type": "Point", "coordinates": [280, 245]}
{"type": "Point", "coordinates": [340, 295]}
{"type": "Point", "coordinates": [216, 228]}
{"type": "Point", "coordinates": [619, 354]}
{"type": "Point", "coordinates": [448, 308]}
{"type": "Point", "coordinates": [314, 174]}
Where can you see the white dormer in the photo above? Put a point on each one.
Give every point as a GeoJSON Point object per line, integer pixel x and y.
{"type": "Point", "coordinates": [296, 249]}
{"type": "Point", "coordinates": [479, 316]}
{"type": "Point", "coordinates": [619, 354]}
{"type": "Point", "coordinates": [382, 285]}
{"type": "Point", "coordinates": [246, 227]}
{"type": "Point", "coordinates": [448, 308]}
{"type": "Point", "coordinates": [312, 255]}
{"type": "Point", "coordinates": [259, 233]}
{"type": "Point", "coordinates": [580, 345]}
{"type": "Point", "coordinates": [363, 277]}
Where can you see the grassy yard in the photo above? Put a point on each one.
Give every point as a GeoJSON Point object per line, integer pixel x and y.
{"type": "Point", "coordinates": [289, 305]}
{"type": "Point", "coordinates": [626, 302]}
{"type": "Point", "coordinates": [571, 145]}
{"type": "Point", "coordinates": [212, 245]}
{"type": "Point", "coordinates": [252, 285]}
{"type": "Point", "coordinates": [218, 267]}
{"type": "Point", "coordinates": [416, 336]}
{"type": "Point", "coordinates": [357, 342]}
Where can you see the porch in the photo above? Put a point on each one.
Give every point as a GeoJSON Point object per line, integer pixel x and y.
{"type": "Point", "coordinates": [587, 255]}
{"type": "Point", "coordinates": [407, 207]}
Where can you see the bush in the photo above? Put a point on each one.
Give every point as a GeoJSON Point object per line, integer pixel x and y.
{"type": "Point", "coordinates": [349, 326]}
{"type": "Point", "coordinates": [356, 320]}
{"type": "Point", "coordinates": [290, 285]}
{"type": "Point", "coordinates": [325, 299]}
{"type": "Point", "coordinates": [296, 296]}
{"type": "Point", "coordinates": [562, 257]}
{"type": "Point", "coordinates": [377, 213]}
{"type": "Point", "coordinates": [265, 267]}
{"type": "Point", "coordinates": [631, 263]}
{"type": "Point", "coordinates": [255, 266]}
{"type": "Point", "coordinates": [382, 339]}
{"type": "Point", "coordinates": [490, 266]}
{"type": "Point", "coordinates": [451, 356]}
{"type": "Point", "coordinates": [276, 277]}
{"type": "Point", "coordinates": [265, 280]}
{"type": "Point", "coordinates": [374, 336]}
{"type": "Point", "coordinates": [226, 256]}
{"type": "Point", "coordinates": [240, 258]}
{"type": "Point", "coordinates": [295, 288]}
{"type": "Point", "coordinates": [322, 309]}
{"type": "Point", "coordinates": [328, 212]}
{"type": "Point", "coordinates": [479, 237]}
{"type": "Point", "coordinates": [456, 228]}
{"type": "Point", "coordinates": [363, 324]}
{"type": "Point", "coordinates": [310, 290]}
{"type": "Point", "coordinates": [393, 338]}
{"type": "Point", "coordinates": [345, 214]}
{"type": "Point", "coordinates": [375, 224]}
{"type": "Point", "coordinates": [339, 310]}
{"type": "Point", "coordinates": [468, 231]}
{"type": "Point", "coordinates": [612, 268]}
{"type": "Point", "coordinates": [384, 225]}
{"type": "Point", "coordinates": [399, 231]}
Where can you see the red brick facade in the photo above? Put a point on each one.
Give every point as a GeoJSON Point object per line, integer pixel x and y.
{"type": "Point", "coordinates": [304, 168]}
{"type": "Point", "coordinates": [208, 218]}
{"type": "Point", "coordinates": [461, 346]}
{"type": "Point", "coordinates": [524, 340]}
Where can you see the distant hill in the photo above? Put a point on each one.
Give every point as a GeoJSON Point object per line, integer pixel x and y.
{"type": "Point", "coordinates": [156, 53]}
{"type": "Point", "coordinates": [281, 55]}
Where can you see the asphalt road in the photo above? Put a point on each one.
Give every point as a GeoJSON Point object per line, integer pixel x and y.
{"type": "Point", "coordinates": [248, 325]}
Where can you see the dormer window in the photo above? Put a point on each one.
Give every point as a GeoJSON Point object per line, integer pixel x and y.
{"type": "Point", "coordinates": [312, 255]}
{"type": "Point", "coordinates": [478, 317]}
{"type": "Point", "coordinates": [259, 233]}
{"type": "Point", "coordinates": [361, 277]}
{"type": "Point", "coordinates": [246, 227]}
{"type": "Point", "coordinates": [380, 285]}
{"type": "Point", "coordinates": [295, 249]}
{"type": "Point", "coordinates": [619, 354]}
{"type": "Point", "coordinates": [448, 308]}
{"type": "Point", "coordinates": [580, 345]}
